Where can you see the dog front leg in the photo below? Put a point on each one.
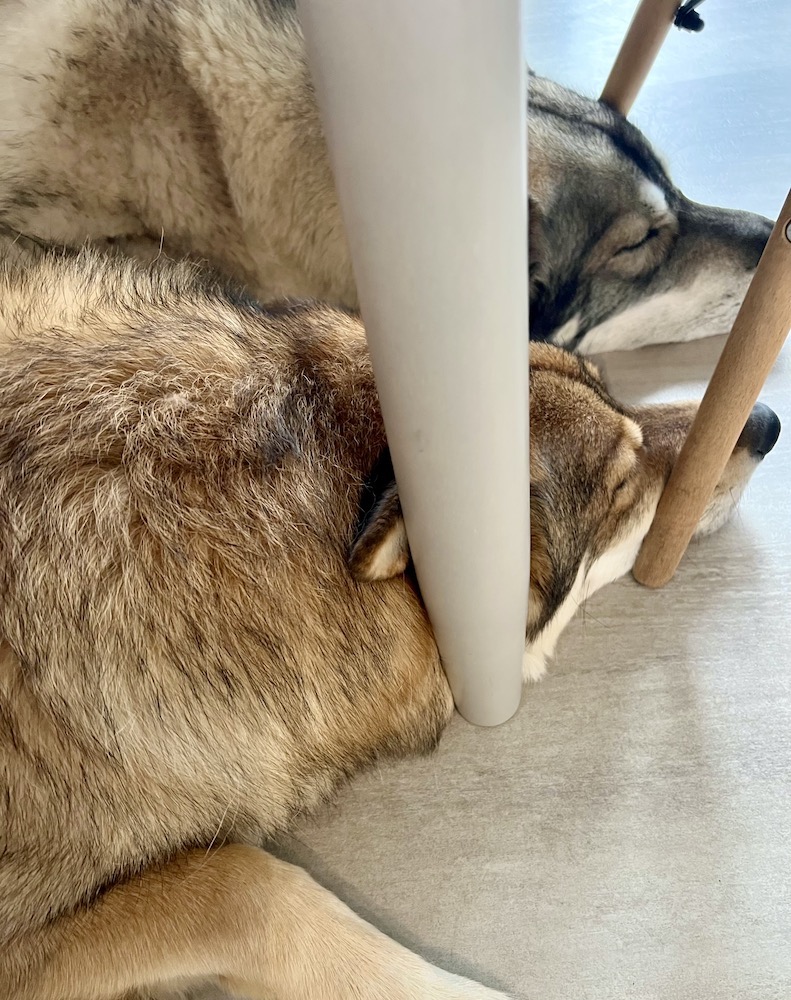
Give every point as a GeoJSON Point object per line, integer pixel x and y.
{"type": "Point", "coordinates": [262, 927]}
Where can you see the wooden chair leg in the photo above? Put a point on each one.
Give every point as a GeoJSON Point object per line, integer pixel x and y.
{"type": "Point", "coordinates": [751, 350]}
{"type": "Point", "coordinates": [651, 22]}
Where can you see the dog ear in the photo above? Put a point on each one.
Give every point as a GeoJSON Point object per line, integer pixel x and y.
{"type": "Point", "coordinates": [380, 549]}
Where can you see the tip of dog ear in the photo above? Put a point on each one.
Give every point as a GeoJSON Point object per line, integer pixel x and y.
{"type": "Point", "coordinates": [381, 550]}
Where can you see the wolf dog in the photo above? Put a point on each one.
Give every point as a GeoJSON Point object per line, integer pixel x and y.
{"type": "Point", "coordinates": [206, 595]}
{"type": "Point", "coordinates": [191, 128]}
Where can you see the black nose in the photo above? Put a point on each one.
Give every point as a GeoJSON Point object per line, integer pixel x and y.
{"type": "Point", "coordinates": [761, 431]}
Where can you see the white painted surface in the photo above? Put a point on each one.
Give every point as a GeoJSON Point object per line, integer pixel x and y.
{"type": "Point", "coordinates": [424, 117]}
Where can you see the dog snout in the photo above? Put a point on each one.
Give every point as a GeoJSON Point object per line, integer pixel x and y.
{"type": "Point", "coordinates": [761, 431]}
{"type": "Point", "coordinates": [756, 232]}
{"type": "Point", "coordinates": [742, 234]}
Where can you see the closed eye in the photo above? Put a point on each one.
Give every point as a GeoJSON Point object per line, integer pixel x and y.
{"type": "Point", "coordinates": [650, 235]}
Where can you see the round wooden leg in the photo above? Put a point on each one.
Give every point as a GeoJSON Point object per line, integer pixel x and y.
{"type": "Point", "coordinates": [651, 22]}
{"type": "Point", "coordinates": [751, 350]}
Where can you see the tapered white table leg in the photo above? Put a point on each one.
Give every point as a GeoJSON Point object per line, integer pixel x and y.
{"type": "Point", "coordinates": [423, 105]}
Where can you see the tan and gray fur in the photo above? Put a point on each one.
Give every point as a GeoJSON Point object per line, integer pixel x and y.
{"type": "Point", "coordinates": [208, 621]}
{"type": "Point", "coordinates": [191, 128]}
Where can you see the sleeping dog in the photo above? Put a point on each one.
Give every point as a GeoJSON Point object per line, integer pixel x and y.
{"type": "Point", "coordinates": [190, 127]}
{"type": "Point", "coordinates": [205, 590]}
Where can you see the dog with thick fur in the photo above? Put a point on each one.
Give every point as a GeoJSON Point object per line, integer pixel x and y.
{"type": "Point", "coordinates": [208, 620]}
{"type": "Point", "coordinates": [191, 126]}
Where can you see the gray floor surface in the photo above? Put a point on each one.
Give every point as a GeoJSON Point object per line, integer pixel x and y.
{"type": "Point", "coordinates": [628, 834]}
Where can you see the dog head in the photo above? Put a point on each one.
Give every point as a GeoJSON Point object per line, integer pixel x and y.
{"type": "Point", "coordinates": [597, 470]}
{"type": "Point", "coordinates": [619, 257]}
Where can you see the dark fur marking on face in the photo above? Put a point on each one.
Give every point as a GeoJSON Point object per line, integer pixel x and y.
{"type": "Point", "coordinates": [551, 576]}
{"type": "Point", "coordinates": [544, 321]}
{"type": "Point", "coordinates": [623, 135]}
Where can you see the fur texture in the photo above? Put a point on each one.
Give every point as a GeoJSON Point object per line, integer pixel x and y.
{"type": "Point", "coordinates": [205, 623]}
{"type": "Point", "coordinates": [191, 128]}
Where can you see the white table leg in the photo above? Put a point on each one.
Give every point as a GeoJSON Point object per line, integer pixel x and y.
{"type": "Point", "coordinates": [424, 109]}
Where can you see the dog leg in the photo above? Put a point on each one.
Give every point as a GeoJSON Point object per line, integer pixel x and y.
{"type": "Point", "coordinates": [261, 927]}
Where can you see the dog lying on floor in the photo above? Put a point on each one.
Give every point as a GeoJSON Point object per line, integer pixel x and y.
{"type": "Point", "coordinates": [192, 125]}
{"type": "Point", "coordinates": [205, 586]}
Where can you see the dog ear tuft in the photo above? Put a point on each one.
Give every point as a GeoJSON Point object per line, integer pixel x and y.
{"type": "Point", "coordinates": [380, 549]}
